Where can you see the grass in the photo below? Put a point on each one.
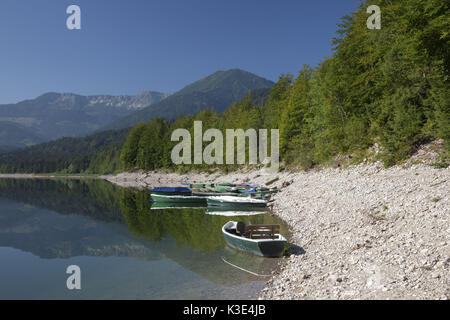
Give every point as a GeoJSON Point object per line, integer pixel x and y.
{"type": "Point", "coordinates": [442, 163]}
{"type": "Point", "coordinates": [268, 183]}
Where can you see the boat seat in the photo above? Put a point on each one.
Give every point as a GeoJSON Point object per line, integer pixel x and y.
{"type": "Point", "coordinates": [261, 231]}
{"type": "Point", "coordinates": [241, 228]}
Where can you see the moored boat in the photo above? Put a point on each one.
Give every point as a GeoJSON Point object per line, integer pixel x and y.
{"type": "Point", "coordinates": [202, 186]}
{"type": "Point", "coordinates": [211, 194]}
{"type": "Point", "coordinates": [236, 202]}
{"type": "Point", "coordinates": [262, 240]}
{"type": "Point", "coordinates": [259, 191]}
{"type": "Point", "coordinates": [223, 189]}
{"type": "Point", "coordinates": [172, 191]}
{"type": "Point", "coordinates": [177, 205]}
{"type": "Point", "coordinates": [178, 199]}
{"type": "Point", "coordinates": [234, 213]}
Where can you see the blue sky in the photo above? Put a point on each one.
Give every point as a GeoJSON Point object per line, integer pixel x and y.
{"type": "Point", "coordinates": [125, 47]}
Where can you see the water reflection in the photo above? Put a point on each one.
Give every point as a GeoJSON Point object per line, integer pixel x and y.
{"type": "Point", "coordinates": [188, 227]}
{"type": "Point", "coordinates": [66, 219]}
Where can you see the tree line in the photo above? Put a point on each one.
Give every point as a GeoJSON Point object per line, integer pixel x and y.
{"type": "Point", "coordinates": [388, 87]}
{"type": "Point", "coordinates": [96, 153]}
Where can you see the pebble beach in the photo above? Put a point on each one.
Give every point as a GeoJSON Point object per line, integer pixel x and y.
{"type": "Point", "coordinates": [364, 232]}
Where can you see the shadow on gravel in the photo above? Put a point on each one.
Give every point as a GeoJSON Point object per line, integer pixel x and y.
{"type": "Point", "coordinates": [294, 250]}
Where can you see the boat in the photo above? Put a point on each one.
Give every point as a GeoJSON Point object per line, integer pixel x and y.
{"type": "Point", "coordinates": [259, 191]}
{"type": "Point", "coordinates": [176, 205]}
{"type": "Point", "coordinates": [176, 195]}
{"type": "Point", "coordinates": [203, 186]}
{"type": "Point", "coordinates": [211, 194]}
{"type": "Point", "coordinates": [172, 191]}
{"type": "Point", "coordinates": [226, 184]}
{"type": "Point", "coordinates": [230, 213]}
{"type": "Point", "coordinates": [261, 240]}
{"type": "Point", "coordinates": [236, 202]}
{"type": "Point", "coordinates": [178, 199]}
{"type": "Point", "coordinates": [223, 189]}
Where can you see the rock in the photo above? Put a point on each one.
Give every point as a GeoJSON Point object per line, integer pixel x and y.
{"type": "Point", "coordinates": [435, 275]}
{"type": "Point", "coordinates": [337, 217]}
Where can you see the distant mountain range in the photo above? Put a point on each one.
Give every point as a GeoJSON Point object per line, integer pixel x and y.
{"type": "Point", "coordinates": [217, 92]}
{"type": "Point", "coordinates": [54, 115]}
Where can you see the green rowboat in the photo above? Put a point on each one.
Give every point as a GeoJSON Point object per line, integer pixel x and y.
{"type": "Point", "coordinates": [261, 240]}
{"type": "Point", "coordinates": [236, 202]}
{"type": "Point", "coordinates": [176, 205]}
{"type": "Point", "coordinates": [178, 199]}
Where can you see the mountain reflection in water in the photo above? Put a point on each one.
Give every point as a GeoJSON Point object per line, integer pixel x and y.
{"type": "Point", "coordinates": [83, 219]}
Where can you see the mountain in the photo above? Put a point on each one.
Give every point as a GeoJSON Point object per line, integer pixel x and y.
{"type": "Point", "coordinates": [98, 152]}
{"type": "Point", "coordinates": [6, 149]}
{"type": "Point", "coordinates": [54, 115]}
{"type": "Point", "coordinates": [14, 135]}
{"type": "Point", "coordinates": [216, 92]}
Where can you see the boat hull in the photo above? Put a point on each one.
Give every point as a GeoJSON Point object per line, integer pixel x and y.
{"type": "Point", "coordinates": [234, 213]}
{"type": "Point", "coordinates": [264, 248]}
{"type": "Point", "coordinates": [178, 199]}
{"type": "Point", "coordinates": [235, 205]}
{"type": "Point", "coordinates": [181, 205]}
{"type": "Point", "coordinates": [172, 194]}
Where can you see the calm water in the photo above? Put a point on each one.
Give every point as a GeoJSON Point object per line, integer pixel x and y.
{"type": "Point", "coordinates": [124, 248]}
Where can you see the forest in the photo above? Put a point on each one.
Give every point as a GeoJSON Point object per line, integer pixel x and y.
{"type": "Point", "coordinates": [96, 153]}
{"type": "Point", "coordinates": [387, 87]}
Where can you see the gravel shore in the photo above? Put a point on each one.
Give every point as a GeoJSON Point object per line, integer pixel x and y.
{"type": "Point", "coordinates": [365, 232]}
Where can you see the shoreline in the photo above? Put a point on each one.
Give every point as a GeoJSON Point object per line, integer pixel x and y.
{"type": "Point", "coordinates": [44, 176]}
{"type": "Point", "coordinates": [367, 232]}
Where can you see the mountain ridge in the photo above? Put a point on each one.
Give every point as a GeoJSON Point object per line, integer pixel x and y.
{"type": "Point", "coordinates": [54, 115]}
{"type": "Point", "coordinates": [216, 91]}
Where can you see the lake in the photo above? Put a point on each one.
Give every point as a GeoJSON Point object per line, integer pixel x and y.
{"type": "Point", "coordinates": [124, 248]}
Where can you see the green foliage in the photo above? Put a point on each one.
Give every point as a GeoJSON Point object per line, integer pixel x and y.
{"type": "Point", "coordinates": [437, 199]}
{"type": "Point", "coordinates": [149, 145]}
{"type": "Point", "coordinates": [389, 86]}
{"type": "Point", "coordinates": [443, 162]}
{"type": "Point", "coordinates": [150, 155]}
{"type": "Point", "coordinates": [106, 160]}
{"type": "Point", "coordinates": [293, 117]}
{"type": "Point", "coordinates": [131, 147]}
{"type": "Point", "coordinates": [96, 153]}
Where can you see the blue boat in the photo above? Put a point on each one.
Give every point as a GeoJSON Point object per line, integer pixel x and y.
{"type": "Point", "coordinates": [172, 191]}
